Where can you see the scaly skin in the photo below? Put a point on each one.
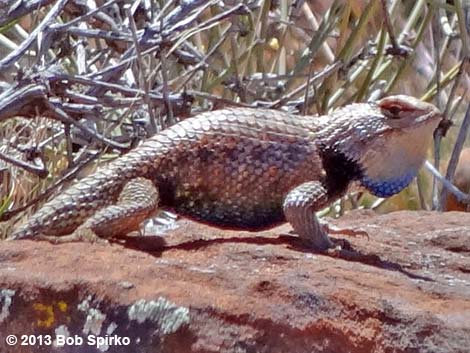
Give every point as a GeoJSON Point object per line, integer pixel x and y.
{"type": "Point", "coordinates": [249, 169]}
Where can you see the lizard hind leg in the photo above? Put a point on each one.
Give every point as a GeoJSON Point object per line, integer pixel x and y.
{"type": "Point", "coordinates": [300, 206]}
{"type": "Point", "coordinates": [138, 201]}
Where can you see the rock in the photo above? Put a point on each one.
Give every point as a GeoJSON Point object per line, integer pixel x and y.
{"type": "Point", "coordinates": [210, 290]}
{"type": "Point", "coordinates": [462, 181]}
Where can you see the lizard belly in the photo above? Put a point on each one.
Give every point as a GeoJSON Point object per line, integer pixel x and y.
{"type": "Point", "coordinates": [232, 189]}
{"type": "Point", "coordinates": [248, 208]}
{"type": "Point", "coordinates": [232, 216]}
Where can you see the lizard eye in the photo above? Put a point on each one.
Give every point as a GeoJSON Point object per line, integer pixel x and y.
{"type": "Point", "coordinates": [392, 112]}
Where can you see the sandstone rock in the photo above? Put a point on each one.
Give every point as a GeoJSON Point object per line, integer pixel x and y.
{"type": "Point", "coordinates": [210, 290]}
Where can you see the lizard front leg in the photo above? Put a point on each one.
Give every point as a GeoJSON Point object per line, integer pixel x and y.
{"type": "Point", "coordinates": [300, 206]}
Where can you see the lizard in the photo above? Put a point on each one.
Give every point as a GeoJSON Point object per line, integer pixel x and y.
{"type": "Point", "coordinates": [249, 169]}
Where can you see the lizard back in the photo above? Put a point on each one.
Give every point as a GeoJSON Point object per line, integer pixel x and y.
{"type": "Point", "coordinates": [232, 168]}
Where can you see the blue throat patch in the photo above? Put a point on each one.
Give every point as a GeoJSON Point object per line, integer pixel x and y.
{"type": "Point", "coordinates": [387, 187]}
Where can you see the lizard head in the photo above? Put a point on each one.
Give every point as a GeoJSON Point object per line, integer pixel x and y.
{"type": "Point", "coordinates": [387, 140]}
{"type": "Point", "coordinates": [396, 151]}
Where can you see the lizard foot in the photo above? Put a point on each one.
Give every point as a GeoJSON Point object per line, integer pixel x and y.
{"type": "Point", "coordinates": [80, 235]}
{"type": "Point", "coordinates": [343, 250]}
{"type": "Point", "coordinates": [338, 248]}
{"type": "Point", "coordinates": [330, 229]}
{"type": "Point", "coordinates": [352, 255]}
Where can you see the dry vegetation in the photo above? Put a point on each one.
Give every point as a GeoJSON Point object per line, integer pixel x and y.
{"type": "Point", "coordinates": [82, 83]}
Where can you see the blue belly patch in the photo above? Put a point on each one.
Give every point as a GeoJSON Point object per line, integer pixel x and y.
{"type": "Point", "coordinates": [387, 187]}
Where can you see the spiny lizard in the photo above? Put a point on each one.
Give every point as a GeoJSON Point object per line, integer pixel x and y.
{"type": "Point", "coordinates": [249, 169]}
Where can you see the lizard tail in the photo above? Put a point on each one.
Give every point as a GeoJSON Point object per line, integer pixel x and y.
{"type": "Point", "coordinates": [68, 210]}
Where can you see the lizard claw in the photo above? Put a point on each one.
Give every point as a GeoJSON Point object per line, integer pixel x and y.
{"type": "Point", "coordinates": [330, 229]}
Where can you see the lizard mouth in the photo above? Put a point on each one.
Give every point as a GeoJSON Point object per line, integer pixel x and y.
{"type": "Point", "coordinates": [435, 114]}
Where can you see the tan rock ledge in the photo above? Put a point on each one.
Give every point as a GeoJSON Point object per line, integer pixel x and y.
{"type": "Point", "coordinates": [209, 290]}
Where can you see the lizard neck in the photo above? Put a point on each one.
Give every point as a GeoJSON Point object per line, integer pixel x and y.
{"type": "Point", "coordinates": [388, 187]}
{"type": "Point", "coordinates": [357, 144]}
{"type": "Point", "coordinates": [387, 171]}
{"type": "Point", "coordinates": [400, 168]}
{"type": "Point", "coordinates": [339, 171]}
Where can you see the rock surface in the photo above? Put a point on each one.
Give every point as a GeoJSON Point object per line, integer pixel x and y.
{"type": "Point", "coordinates": [210, 290]}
